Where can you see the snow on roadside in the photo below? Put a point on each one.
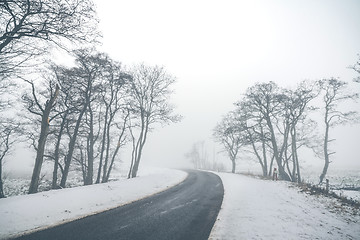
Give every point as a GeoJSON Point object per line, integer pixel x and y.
{"type": "Point", "coordinates": [260, 209]}
{"type": "Point", "coordinates": [27, 213]}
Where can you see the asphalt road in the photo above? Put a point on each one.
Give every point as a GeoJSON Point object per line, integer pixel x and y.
{"type": "Point", "coordinates": [186, 211]}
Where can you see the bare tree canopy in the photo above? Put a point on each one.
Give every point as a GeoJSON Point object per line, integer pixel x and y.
{"type": "Point", "coordinates": [334, 93]}
{"type": "Point", "coordinates": [6, 141]}
{"type": "Point", "coordinates": [150, 92]}
{"type": "Point", "coordinates": [275, 122]}
{"type": "Point", "coordinates": [26, 24]}
{"type": "Point", "coordinates": [356, 68]}
{"type": "Point", "coordinates": [268, 122]}
{"type": "Point", "coordinates": [231, 134]}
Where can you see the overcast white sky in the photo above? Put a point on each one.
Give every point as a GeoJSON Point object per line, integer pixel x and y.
{"type": "Point", "coordinates": [217, 49]}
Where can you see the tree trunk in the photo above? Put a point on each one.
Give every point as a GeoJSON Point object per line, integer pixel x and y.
{"type": "Point", "coordinates": [296, 158]}
{"type": "Point", "coordinates": [142, 139]}
{"type": "Point", "coordinates": [293, 154]}
{"type": "Point", "coordinates": [107, 176]}
{"type": "Point", "coordinates": [286, 158]}
{"type": "Point", "coordinates": [120, 139]}
{"type": "Point", "coordinates": [83, 165]}
{"type": "Point", "coordinates": [103, 142]}
{"type": "Point", "coordinates": [56, 153]}
{"type": "Point", "coordinates": [140, 144]}
{"type": "Point", "coordinates": [132, 159]}
{"type": "Point", "coordinates": [271, 164]}
{"type": "Point", "coordinates": [111, 164]}
{"type": "Point", "coordinates": [41, 143]}
{"type": "Point", "coordinates": [2, 195]}
{"type": "Point", "coordinates": [106, 160]}
{"type": "Point", "coordinates": [7, 147]}
{"type": "Point", "coordinates": [39, 155]}
{"type": "Point", "coordinates": [136, 165]}
{"type": "Point", "coordinates": [298, 169]}
{"type": "Point", "coordinates": [137, 160]}
{"type": "Point", "coordinates": [233, 162]}
{"type": "Point", "coordinates": [133, 152]}
{"type": "Point", "coordinates": [326, 153]}
{"type": "Point", "coordinates": [263, 167]}
{"type": "Point", "coordinates": [265, 170]}
{"type": "Point", "coordinates": [286, 163]}
{"type": "Point", "coordinates": [278, 158]}
{"type": "Point", "coordinates": [90, 155]}
{"type": "Point", "coordinates": [135, 169]}
{"type": "Point", "coordinates": [71, 148]}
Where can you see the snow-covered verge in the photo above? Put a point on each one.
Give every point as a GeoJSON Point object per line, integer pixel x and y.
{"type": "Point", "coordinates": [262, 209]}
{"type": "Point", "coordinates": [21, 214]}
{"type": "Point", "coordinates": [340, 181]}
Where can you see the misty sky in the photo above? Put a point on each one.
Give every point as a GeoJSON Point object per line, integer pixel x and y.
{"type": "Point", "coordinates": [217, 49]}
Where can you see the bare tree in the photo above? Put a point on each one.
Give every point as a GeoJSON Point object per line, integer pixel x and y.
{"type": "Point", "coordinates": [25, 25]}
{"type": "Point", "coordinates": [266, 102]}
{"type": "Point", "coordinates": [121, 141]}
{"type": "Point", "coordinates": [112, 98]}
{"type": "Point", "coordinates": [43, 111]}
{"type": "Point", "coordinates": [197, 155]}
{"type": "Point", "coordinates": [194, 156]}
{"type": "Point", "coordinates": [232, 136]}
{"type": "Point", "coordinates": [297, 106]}
{"type": "Point", "coordinates": [56, 156]}
{"type": "Point", "coordinates": [63, 110]}
{"type": "Point", "coordinates": [7, 140]}
{"type": "Point", "coordinates": [334, 93]}
{"type": "Point", "coordinates": [83, 83]}
{"type": "Point", "coordinates": [268, 118]}
{"type": "Point", "coordinates": [91, 138]}
{"type": "Point", "coordinates": [356, 68]}
{"type": "Point", "coordinates": [94, 84]}
{"type": "Point", "coordinates": [150, 90]}
{"type": "Point", "coordinates": [255, 134]}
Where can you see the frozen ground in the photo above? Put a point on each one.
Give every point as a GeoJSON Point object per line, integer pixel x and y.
{"type": "Point", "coordinates": [25, 213]}
{"type": "Point", "coordinates": [262, 209]}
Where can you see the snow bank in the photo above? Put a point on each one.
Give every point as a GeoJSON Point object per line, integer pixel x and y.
{"type": "Point", "coordinates": [22, 214]}
{"type": "Point", "coordinates": [260, 209]}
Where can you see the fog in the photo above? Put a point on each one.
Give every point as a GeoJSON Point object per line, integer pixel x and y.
{"type": "Point", "coordinates": [217, 49]}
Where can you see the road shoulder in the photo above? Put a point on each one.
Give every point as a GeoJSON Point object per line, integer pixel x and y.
{"type": "Point", "coordinates": [262, 209]}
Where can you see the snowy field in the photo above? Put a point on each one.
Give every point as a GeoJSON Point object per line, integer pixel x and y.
{"type": "Point", "coordinates": [26, 213]}
{"type": "Point", "coordinates": [338, 179]}
{"type": "Point", "coordinates": [263, 209]}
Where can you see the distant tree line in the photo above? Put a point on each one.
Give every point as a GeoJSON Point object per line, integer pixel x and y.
{"type": "Point", "coordinates": [77, 117]}
{"type": "Point", "coordinates": [199, 157]}
{"type": "Point", "coordinates": [273, 123]}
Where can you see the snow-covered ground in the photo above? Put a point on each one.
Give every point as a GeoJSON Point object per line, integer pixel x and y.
{"type": "Point", "coordinates": [261, 209]}
{"type": "Point", "coordinates": [26, 213]}
{"type": "Point", "coordinates": [339, 178]}
{"type": "Point", "coordinates": [252, 208]}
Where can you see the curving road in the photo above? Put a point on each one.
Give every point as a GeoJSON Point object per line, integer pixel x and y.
{"type": "Point", "coordinates": [186, 211]}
